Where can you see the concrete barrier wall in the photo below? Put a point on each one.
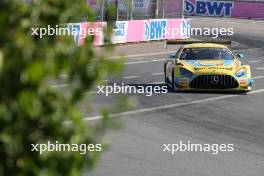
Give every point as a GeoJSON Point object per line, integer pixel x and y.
{"type": "Point", "coordinates": [148, 30]}
{"type": "Point", "coordinates": [134, 31]}
{"type": "Point", "coordinates": [81, 30]}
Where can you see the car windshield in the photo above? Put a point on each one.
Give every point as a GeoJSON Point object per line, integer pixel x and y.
{"type": "Point", "coordinates": [206, 54]}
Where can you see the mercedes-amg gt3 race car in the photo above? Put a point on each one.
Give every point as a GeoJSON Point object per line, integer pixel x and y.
{"type": "Point", "coordinates": [206, 66]}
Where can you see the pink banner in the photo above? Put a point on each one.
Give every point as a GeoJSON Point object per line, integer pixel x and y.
{"type": "Point", "coordinates": [93, 29]}
{"type": "Point", "coordinates": [134, 31]}
{"type": "Point", "coordinates": [155, 29]}
{"type": "Point", "coordinates": [224, 8]}
{"type": "Point", "coordinates": [248, 9]}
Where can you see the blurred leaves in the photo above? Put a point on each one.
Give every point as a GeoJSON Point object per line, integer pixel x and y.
{"type": "Point", "coordinates": [1, 60]}
{"type": "Point", "coordinates": [30, 111]}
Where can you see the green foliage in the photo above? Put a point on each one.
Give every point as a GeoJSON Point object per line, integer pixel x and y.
{"type": "Point", "coordinates": [30, 111]}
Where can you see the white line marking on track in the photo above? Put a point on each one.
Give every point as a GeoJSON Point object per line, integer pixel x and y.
{"type": "Point", "coordinates": [251, 49]}
{"type": "Point", "coordinates": [258, 77]}
{"type": "Point", "coordinates": [260, 68]}
{"type": "Point", "coordinates": [140, 58]}
{"type": "Point", "coordinates": [157, 83]}
{"type": "Point", "coordinates": [254, 61]}
{"type": "Point", "coordinates": [130, 77]}
{"type": "Point", "coordinates": [160, 73]}
{"type": "Point", "coordinates": [138, 111]}
{"type": "Point", "coordinates": [145, 61]}
{"type": "Point", "coordinates": [141, 55]}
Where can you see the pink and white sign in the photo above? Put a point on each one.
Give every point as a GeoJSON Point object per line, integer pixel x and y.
{"type": "Point", "coordinates": [82, 30]}
{"type": "Point", "coordinates": [155, 29]}
{"type": "Point", "coordinates": [120, 32]}
{"type": "Point", "coordinates": [224, 8]}
{"type": "Point", "coordinates": [94, 29]}
{"type": "Point", "coordinates": [134, 31]}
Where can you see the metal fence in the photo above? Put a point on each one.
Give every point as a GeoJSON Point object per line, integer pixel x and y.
{"type": "Point", "coordinates": [140, 9]}
{"type": "Point", "coordinates": [143, 9]}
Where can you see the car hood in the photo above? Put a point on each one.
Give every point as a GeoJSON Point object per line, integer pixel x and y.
{"type": "Point", "coordinates": [212, 66]}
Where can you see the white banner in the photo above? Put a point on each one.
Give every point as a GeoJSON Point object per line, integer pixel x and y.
{"type": "Point", "coordinates": [120, 32]}
{"type": "Point", "coordinates": [138, 5]}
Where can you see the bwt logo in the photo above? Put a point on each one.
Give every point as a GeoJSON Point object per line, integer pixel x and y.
{"type": "Point", "coordinates": [155, 29]}
{"type": "Point", "coordinates": [208, 8]}
{"type": "Point", "coordinates": [185, 28]}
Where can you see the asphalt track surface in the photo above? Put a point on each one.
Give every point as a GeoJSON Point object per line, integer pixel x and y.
{"type": "Point", "coordinates": [222, 118]}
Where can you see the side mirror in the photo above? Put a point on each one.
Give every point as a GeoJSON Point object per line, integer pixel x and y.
{"type": "Point", "coordinates": [240, 56]}
{"type": "Point", "coordinates": [172, 56]}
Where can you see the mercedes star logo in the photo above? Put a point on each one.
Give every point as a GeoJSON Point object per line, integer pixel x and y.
{"type": "Point", "coordinates": [214, 80]}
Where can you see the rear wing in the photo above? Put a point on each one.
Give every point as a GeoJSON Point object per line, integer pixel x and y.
{"type": "Point", "coordinates": [191, 41]}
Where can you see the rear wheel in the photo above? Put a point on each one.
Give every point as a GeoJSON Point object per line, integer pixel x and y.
{"type": "Point", "coordinates": [172, 80]}
{"type": "Point", "coordinates": [165, 75]}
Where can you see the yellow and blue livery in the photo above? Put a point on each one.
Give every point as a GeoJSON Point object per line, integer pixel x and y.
{"type": "Point", "coordinates": [207, 66]}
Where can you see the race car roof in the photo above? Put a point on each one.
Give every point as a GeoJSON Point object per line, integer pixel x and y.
{"type": "Point", "coordinates": [204, 45]}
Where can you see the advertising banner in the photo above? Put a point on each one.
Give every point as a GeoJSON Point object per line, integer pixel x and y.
{"type": "Point", "coordinates": [138, 5]}
{"type": "Point", "coordinates": [93, 29]}
{"type": "Point", "coordinates": [133, 31]}
{"type": "Point", "coordinates": [209, 8]}
{"type": "Point", "coordinates": [224, 8]}
{"type": "Point", "coordinates": [160, 29]}
{"type": "Point", "coordinates": [120, 32]}
{"type": "Point", "coordinates": [148, 30]}
{"type": "Point", "coordinates": [81, 30]}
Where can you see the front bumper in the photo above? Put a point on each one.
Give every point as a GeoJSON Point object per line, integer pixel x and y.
{"type": "Point", "coordinates": [231, 84]}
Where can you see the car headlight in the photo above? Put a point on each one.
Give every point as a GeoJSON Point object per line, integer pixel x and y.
{"type": "Point", "coordinates": [241, 72]}
{"type": "Point", "coordinates": [186, 73]}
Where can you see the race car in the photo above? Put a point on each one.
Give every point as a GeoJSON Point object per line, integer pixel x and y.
{"type": "Point", "coordinates": [206, 66]}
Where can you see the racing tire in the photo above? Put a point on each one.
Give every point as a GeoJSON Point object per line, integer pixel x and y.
{"type": "Point", "coordinates": [165, 75]}
{"type": "Point", "coordinates": [173, 87]}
